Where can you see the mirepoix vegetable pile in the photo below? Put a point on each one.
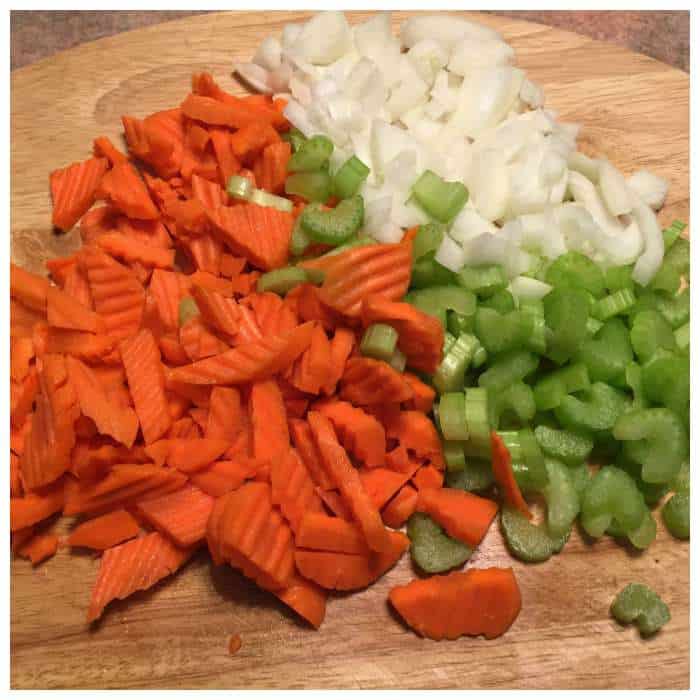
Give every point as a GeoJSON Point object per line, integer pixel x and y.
{"type": "Point", "coordinates": [283, 347]}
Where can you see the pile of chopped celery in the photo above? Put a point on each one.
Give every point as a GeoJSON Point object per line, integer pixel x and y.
{"type": "Point", "coordinates": [595, 371]}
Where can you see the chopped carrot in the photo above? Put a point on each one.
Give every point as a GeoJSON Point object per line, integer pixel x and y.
{"type": "Point", "coordinates": [130, 250]}
{"type": "Point", "coordinates": [334, 504]}
{"type": "Point", "coordinates": [234, 644]}
{"type": "Point", "coordinates": [503, 473]}
{"type": "Point", "coordinates": [16, 488]}
{"type": "Point", "coordinates": [235, 112]}
{"type": "Point", "coordinates": [477, 601]}
{"type": "Point", "coordinates": [19, 538]}
{"type": "Point", "coordinates": [423, 395]}
{"type": "Point", "coordinates": [231, 266]}
{"type": "Point", "coordinates": [327, 534]}
{"type": "Point", "coordinates": [76, 286]}
{"type": "Point", "coordinates": [220, 312]}
{"type": "Point", "coordinates": [59, 267]}
{"type": "Point", "coordinates": [198, 341]}
{"type": "Point", "coordinates": [188, 455]}
{"type": "Point", "coordinates": [273, 166]}
{"type": "Point", "coordinates": [251, 139]}
{"type": "Point", "coordinates": [382, 484]}
{"type": "Point", "coordinates": [224, 417]}
{"type": "Point", "coordinates": [306, 599]}
{"type": "Point", "coordinates": [224, 476]}
{"type": "Point", "coordinates": [39, 548]}
{"type": "Point", "coordinates": [86, 346]}
{"type": "Point", "coordinates": [103, 147]}
{"type": "Point", "coordinates": [268, 419]}
{"type": "Point", "coordinates": [314, 368]}
{"type": "Point", "coordinates": [104, 531]}
{"type": "Point", "coordinates": [29, 289]}
{"type": "Point", "coordinates": [367, 381]}
{"type": "Point", "coordinates": [292, 489]}
{"type": "Point", "coordinates": [22, 396]}
{"type": "Point", "coordinates": [36, 506]}
{"type": "Point", "coordinates": [417, 433]}
{"type": "Point", "coordinates": [73, 190]}
{"type": "Point", "coordinates": [64, 311]}
{"type": "Point", "coordinates": [124, 189]}
{"type": "Point", "coordinates": [401, 507]}
{"type": "Point", "coordinates": [428, 477]}
{"type": "Point", "coordinates": [303, 441]}
{"type": "Point", "coordinates": [223, 150]}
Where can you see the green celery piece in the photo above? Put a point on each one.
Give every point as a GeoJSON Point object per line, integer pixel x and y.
{"type": "Point", "coordinates": [477, 475]}
{"type": "Point", "coordinates": [454, 456]}
{"type": "Point", "coordinates": [334, 226]}
{"type": "Point", "coordinates": [564, 445]}
{"type": "Point", "coordinates": [441, 299]}
{"type": "Point", "coordinates": [397, 360]}
{"type": "Point", "coordinates": [563, 504]}
{"type": "Point", "coordinates": [477, 411]}
{"type": "Point", "coordinates": [459, 323]}
{"type": "Point", "coordinates": [676, 515]}
{"type": "Point", "coordinates": [379, 341]}
{"type": "Point", "coordinates": [282, 280]}
{"type": "Point", "coordinates": [428, 272]}
{"type": "Point", "coordinates": [515, 400]}
{"type": "Point", "coordinates": [501, 301]}
{"type": "Point", "coordinates": [423, 301]}
{"type": "Point", "coordinates": [480, 357]}
{"type": "Point", "coordinates": [299, 240]}
{"type": "Point", "coordinates": [593, 325]}
{"type": "Point", "coordinates": [566, 311]}
{"type": "Point", "coordinates": [637, 603]}
{"type": "Point", "coordinates": [483, 280]}
{"type": "Point", "coordinates": [620, 277]}
{"type": "Point", "coordinates": [681, 482]}
{"type": "Point", "coordinates": [295, 138]}
{"type": "Point", "coordinates": [662, 437]}
{"type": "Point", "coordinates": [633, 379]}
{"type": "Point", "coordinates": [615, 304]}
{"type": "Point", "coordinates": [574, 269]}
{"type": "Point", "coordinates": [349, 177]}
{"type": "Point", "coordinates": [612, 495]}
{"type": "Point", "coordinates": [550, 390]}
{"type": "Point", "coordinates": [449, 376]}
{"type": "Point", "coordinates": [528, 461]}
{"type": "Point", "coordinates": [672, 233]}
{"type": "Point", "coordinates": [432, 549]}
{"type": "Point", "coordinates": [682, 336]}
{"type": "Point", "coordinates": [453, 418]}
{"type": "Point", "coordinates": [526, 541]}
{"type": "Point", "coordinates": [508, 368]}
{"type": "Point", "coordinates": [645, 534]}
{"type": "Point", "coordinates": [186, 310]}
{"type": "Point", "coordinates": [580, 477]}
{"type": "Point", "coordinates": [440, 199]}
{"type": "Point", "coordinates": [598, 409]}
{"type": "Point", "coordinates": [608, 354]}
{"type": "Point", "coordinates": [647, 300]}
{"type": "Point", "coordinates": [676, 309]}
{"type": "Point", "coordinates": [652, 493]}
{"type": "Point", "coordinates": [666, 381]}
{"type": "Point", "coordinates": [311, 155]}
{"type": "Point", "coordinates": [651, 332]}
{"type": "Point", "coordinates": [675, 265]}
{"type": "Point", "coordinates": [427, 240]}
{"type": "Point", "coordinates": [502, 332]}
{"type": "Point", "coordinates": [313, 186]}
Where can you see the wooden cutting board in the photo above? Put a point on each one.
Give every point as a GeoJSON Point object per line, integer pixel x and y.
{"type": "Point", "coordinates": [635, 111]}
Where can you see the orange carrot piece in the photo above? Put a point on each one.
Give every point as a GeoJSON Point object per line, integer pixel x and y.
{"type": "Point", "coordinates": [248, 141]}
{"type": "Point", "coordinates": [182, 515]}
{"type": "Point", "coordinates": [224, 476]}
{"type": "Point", "coordinates": [477, 601]}
{"type": "Point", "coordinates": [334, 504]}
{"type": "Point", "coordinates": [273, 316]}
{"type": "Point", "coordinates": [428, 477]}
{"type": "Point", "coordinates": [360, 433]}
{"type": "Point", "coordinates": [234, 644]}
{"type": "Point", "coordinates": [249, 362]}
{"type": "Point", "coordinates": [261, 234]}
{"type": "Point", "coordinates": [268, 418]}
{"type": "Point", "coordinates": [367, 382]}
{"type": "Point", "coordinates": [64, 311]}
{"type": "Point", "coordinates": [205, 252]}
{"type": "Point", "coordinates": [91, 460]}
{"type": "Point", "coordinates": [218, 311]}
{"type": "Point", "coordinates": [103, 147]}
{"type": "Point", "coordinates": [503, 473]}
{"type": "Point", "coordinates": [303, 441]}
{"type": "Point", "coordinates": [134, 566]}
{"type": "Point", "coordinates": [20, 537]}
{"type": "Point", "coordinates": [327, 534]}
{"type": "Point", "coordinates": [39, 548]}
{"type": "Point", "coordinates": [190, 455]}
{"type": "Point", "coordinates": [347, 572]}
{"type": "Point", "coordinates": [76, 286]}
{"type": "Point", "coordinates": [21, 355]}
{"type": "Point", "coordinates": [167, 290]}
{"type": "Point", "coordinates": [423, 395]}
{"type": "Point", "coordinates": [308, 306]}
{"type": "Point", "coordinates": [342, 345]}
{"type": "Point", "coordinates": [97, 221]}
{"type": "Point", "coordinates": [417, 433]}
{"type": "Point", "coordinates": [463, 515]}
{"type": "Point", "coordinates": [59, 267]}
{"type": "Point", "coordinates": [314, 368]}
{"type": "Point", "coordinates": [274, 160]}
{"type": "Point", "coordinates": [16, 488]}
{"type": "Point", "coordinates": [231, 266]}
{"type": "Point", "coordinates": [383, 270]}
{"type": "Point", "coordinates": [86, 346]}
{"type": "Point", "coordinates": [224, 418]}
{"type": "Point", "coordinates": [150, 232]}
{"type": "Point", "coordinates": [198, 341]}
{"type": "Point", "coordinates": [36, 506]}
{"type": "Point", "coordinates": [292, 488]}
{"type": "Point", "coordinates": [306, 599]}
{"type": "Point", "coordinates": [130, 250]}
{"type": "Point", "coordinates": [234, 112]}
{"type": "Point", "coordinates": [73, 190]}
{"type": "Point", "coordinates": [421, 336]}
{"type": "Point", "coordinates": [104, 531]}
{"type": "Point", "coordinates": [22, 396]}
{"type": "Point", "coordinates": [401, 507]}
{"type": "Point", "coordinates": [28, 288]}
{"type": "Point", "coordinates": [345, 477]}
{"type": "Point", "coordinates": [23, 320]}
{"type": "Point", "coordinates": [124, 189]}
{"type": "Point", "coordinates": [382, 484]}
{"type": "Point", "coordinates": [223, 150]}
{"type": "Point", "coordinates": [144, 374]}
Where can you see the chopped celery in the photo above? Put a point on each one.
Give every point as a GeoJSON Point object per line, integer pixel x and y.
{"type": "Point", "coordinates": [508, 368]}
{"type": "Point", "coordinates": [502, 332]}
{"type": "Point", "coordinates": [651, 332]}
{"type": "Point", "coordinates": [295, 138]}
{"type": "Point", "coordinates": [477, 414]}
{"type": "Point", "coordinates": [607, 355]}
{"type": "Point", "coordinates": [501, 301]}
{"type": "Point", "coordinates": [515, 400]}
{"type": "Point", "coordinates": [620, 277]}
{"type": "Point", "coordinates": [676, 515]}
{"type": "Point", "coordinates": [379, 341]}
{"type": "Point", "coordinates": [676, 264]}
{"type": "Point", "coordinates": [239, 187]}
{"type": "Point", "coordinates": [282, 280]}
{"type": "Point", "coordinates": [483, 280]}
{"type": "Point", "coordinates": [266, 199]}
{"type": "Point", "coordinates": [633, 379]}
{"type": "Point", "coordinates": [528, 461]}
{"type": "Point", "coordinates": [676, 310]}
{"type": "Point", "coordinates": [437, 301]}
{"type": "Point", "coordinates": [563, 503]}
{"type": "Point", "coordinates": [398, 360]}
{"type": "Point", "coordinates": [597, 410]}
{"type": "Point", "coordinates": [477, 475]}
{"type": "Point", "coordinates": [459, 323]}
{"type": "Point", "coordinates": [639, 604]}
{"type": "Point", "coordinates": [449, 376]}
{"type": "Point", "coordinates": [430, 273]}
{"type": "Point", "coordinates": [349, 178]}
{"type": "Point", "coordinates": [311, 155]}
{"type": "Point", "coordinates": [666, 381]}
{"type": "Point", "coordinates": [453, 418]}
{"type": "Point", "coordinates": [526, 541]}
{"type": "Point", "coordinates": [186, 310]}
{"type": "Point", "coordinates": [440, 199]}
{"type": "Point", "coordinates": [574, 269]}
{"type": "Point", "coordinates": [427, 240]}
{"type": "Point", "coordinates": [454, 455]}
{"type": "Point", "coordinates": [565, 311]}
{"type": "Point", "coordinates": [299, 240]}
{"type": "Point", "coordinates": [614, 304]}
{"type": "Point", "coordinates": [334, 226]}
{"type": "Point", "coordinates": [312, 186]}
{"type": "Point", "coordinates": [551, 389]}
{"type": "Point", "coordinates": [682, 336]}
{"type": "Point", "coordinates": [432, 549]}
{"type": "Point", "coordinates": [565, 445]}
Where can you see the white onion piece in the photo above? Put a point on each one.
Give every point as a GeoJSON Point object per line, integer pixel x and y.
{"type": "Point", "coordinates": [290, 33]}
{"type": "Point", "coordinates": [650, 260]}
{"type": "Point", "coordinates": [300, 90]}
{"type": "Point", "coordinates": [377, 213]}
{"type": "Point", "coordinates": [650, 188]}
{"type": "Point", "coordinates": [528, 288]}
{"type": "Point", "coordinates": [470, 53]}
{"type": "Point", "coordinates": [256, 76]}
{"type": "Point", "coordinates": [405, 96]}
{"type": "Point", "coordinates": [489, 186]}
{"type": "Point", "coordinates": [386, 142]}
{"type": "Point", "coordinates": [581, 163]}
{"type": "Point", "coordinates": [613, 189]}
{"type": "Point", "coordinates": [450, 254]}
{"type": "Point", "coordinates": [540, 234]}
{"type": "Point", "coordinates": [469, 224]}
{"type": "Point", "coordinates": [401, 171]}
{"type": "Point", "coordinates": [405, 212]}
{"type": "Point", "coordinates": [324, 38]}
{"type": "Point", "coordinates": [299, 117]}
{"type": "Point", "coordinates": [269, 53]}
{"type": "Point", "coordinates": [584, 192]}
{"type": "Point", "coordinates": [365, 83]}
{"type": "Point", "coordinates": [447, 29]}
{"type": "Point", "coordinates": [280, 77]}
{"type": "Point", "coordinates": [487, 249]}
{"type": "Point", "coordinates": [531, 94]}
{"type": "Point", "coordinates": [388, 232]}
{"type": "Point", "coordinates": [346, 113]}
{"type": "Point", "coordinates": [374, 40]}
{"type": "Point", "coordinates": [428, 57]}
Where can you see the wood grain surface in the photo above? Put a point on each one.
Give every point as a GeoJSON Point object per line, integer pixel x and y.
{"type": "Point", "coordinates": [635, 111]}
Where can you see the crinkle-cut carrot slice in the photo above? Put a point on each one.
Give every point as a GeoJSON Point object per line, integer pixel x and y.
{"type": "Point", "coordinates": [110, 418]}
{"type": "Point", "coordinates": [306, 599]}
{"type": "Point", "coordinates": [245, 283]}
{"type": "Point", "coordinates": [198, 394]}
{"type": "Point", "coordinates": [157, 140]}
{"type": "Point", "coordinates": [292, 488]}
{"type": "Point", "coordinates": [249, 141]}
{"type": "Point", "coordinates": [423, 395]}
{"type": "Point", "coordinates": [477, 601]}
{"type": "Point", "coordinates": [361, 434]}
{"type": "Point", "coordinates": [188, 216]}
{"type": "Point", "coordinates": [268, 419]}
{"type": "Point", "coordinates": [188, 455]}
{"type": "Point", "coordinates": [306, 302]}
{"type": "Point", "coordinates": [367, 381]}
{"type": "Point", "coordinates": [76, 286]}
{"type": "Point", "coordinates": [73, 190]}
{"type": "Point", "coordinates": [383, 270]}
{"type": "Point", "coordinates": [144, 373]}
{"type": "Point", "coordinates": [167, 289]}
{"type": "Point", "coordinates": [272, 315]}
{"type": "Point", "coordinates": [314, 368]}
{"type": "Point", "coordinates": [23, 320]}
{"type": "Point", "coordinates": [97, 221]}
{"type": "Point", "coordinates": [130, 250]}
{"type": "Point", "coordinates": [342, 345]}
{"type": "Point", "coordinates": [304, 443]}
{"type": "Point", "coordinates": [37, 505]}
{"type": "Point", "coordinates": [463, 515]}
{"type": "Point", "coordinates": [149, 232]}
{"type": "Point", "coordinates": [200, 416]}
{"type": "Point", "coordinates": [334, 504]}
{"type": "Point", "coordinates": [92, 458]}
{"type": "Point", "coordinates": [198, 341]}
{"type": "Point", "coordinates": [198, 162]}
{"type": "Point", "coordinates": [248, 328]}
{"type": "Point", "coordinates": [184, 427]}
{"type": "Point", "coordinates": [16, 488]}
{"type": "Point", "coordinates": [134, 566]}
{"type": "Point", "coordinates": [325, 533]}
{"type": "Point", "coordinates": [273, 166]}
{"type": "Point", "coordinates": [234, 112]}
{"type": "Point", "coordinates": [104, 531]}
{"type": "Point", "coordinates": [224, 418]}
{"type": "Point", "coordinates": [182, 515]}
{"type": "Point", "coordinates": [230, 265]}
{"type": "Point", "coordinates": [401, 507]}
{"type": "Point", "coordinates": [348, 572]}
{"type": "Point", "coordinates": [428, 477]}
{"type": "Point", "coordinates": [59, 267]}
{"type": "Point", "coordinates": [117, 293]}
{"type": "Point", "coordinates": [346, 479]}
{"type": "Point", "coordinates": [102, 147]}
{"type": "Point", "coordinates": [211, 194]}
{"type": "Point", "coordinates": [64, 311]}
{"type": "Point", "coordinates": [417, 433]}
{"type": "Point", "coordinates": [421, 336]}
{"type": "Point", "coordinates": [28, 289]}
{"type": "Point", "coordinates": [220, 312]}
{"type": "Point", "coordinates": [125, 484]}
{"type": "Point", "coordinates": [22, 395]}
{"type": "Point", "coordinates": [249, 362]}
{"type": "Point", "coordinates": [52, 436]}
{"type": "Point", "coordinates": [210, 282]}
{"type": "Point", "coordinates": [39, 548]}
{"type": "Point", "coordinates": [124, 189]}
{"type": "Point", "coordinates": [261, 234]}
{"type": "Point", "coordinates": [205, 251]}
{"type": "Point", "coordinates": [382, 484]}
{"type": "Point", "coordinates": [86, 346]}
{"type": "Point", "coordinates": [18, 436]}
{"type": "Point", "coordinates": [224, 476]}
{"type": "Point", "coordinates": [228, 163]}
{"type": "Point", "coordinates": [172, 351]}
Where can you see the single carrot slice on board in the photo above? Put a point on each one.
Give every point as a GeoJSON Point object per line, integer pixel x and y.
{"type": "Point", "coordinates": [36, 506]}
{"type": "Point", "coordinates": [477, 601]}
{"type": "Point", "coordinates": [102, 147]}
{"type": "Point", "coordinates": [104, 531]}
{"type": "Point", "coordinates": [125, 190]}
{"type": "Point", "coordinates": [28, 288]}
{"type": "Point", "coordinates": [39, 548]}
{"type": "Point", "coordinates": [503, 473]}
{"type": "Point", "coordinates": [134, 566]}
{"type": "Point", "coordinates": [367, 382]}
{"type": "Point", "coordinates": [306, 599]}
{"type": "Point", "coordinates": [73, 190]}
{"type": "Point", "coordinates": [292, 488]}
{"type": "Point", "coordinates": [401, 507]}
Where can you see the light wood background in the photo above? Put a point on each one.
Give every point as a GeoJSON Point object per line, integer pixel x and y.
{"type": "Point", "coordinates": [635, 111]}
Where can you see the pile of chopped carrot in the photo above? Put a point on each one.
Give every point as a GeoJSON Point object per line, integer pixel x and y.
{"type": "Point", "coordinates": [250, 426]}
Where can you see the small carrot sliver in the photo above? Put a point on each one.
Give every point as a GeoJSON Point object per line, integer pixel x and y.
{"type": "Point", "coordinates": [125, 190]}
{"type": "Point", "coordinates": [401, 507]}
{"type": "Point", "coordinates": [381, 484]}
{"type": "Point", "coordinates": [428, 477]}
{"type": "Point", "coordinates": [73, 190]}
{"type": "Point", "coordinates": [223, 476]}
{"type": "Point", "coordinates": [292, 488]}
{"type": "Point", "coordinates": [28, 288]}
{"type": "Point", "coordinates": [305, 598]}
{"type": "Point", "coordinates": [503, 473]}
{"type": "Point", "coordinates": [234, 644]}
{"type": "Point", "coordinates": [36, 506]}
{"type": "Point", "coordinates": [367, 381]}
{"type": "Point", "coordinates": [39, 548]}
{"type": "Point", "coordinates": [104, 531]}
{"type": "Point", "coordinates": [327, 534]}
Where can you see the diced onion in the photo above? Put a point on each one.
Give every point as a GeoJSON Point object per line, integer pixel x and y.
{"type": "Point", "coordinates": [650, 188]}
{"type": "Point", "coordinates": [450, 254]}
{"type": "Point", "coordinates": [528, 288]}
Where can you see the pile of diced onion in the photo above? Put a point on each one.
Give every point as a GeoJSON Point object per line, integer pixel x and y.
{"type": "Point", "coordinates": [445, 96]}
